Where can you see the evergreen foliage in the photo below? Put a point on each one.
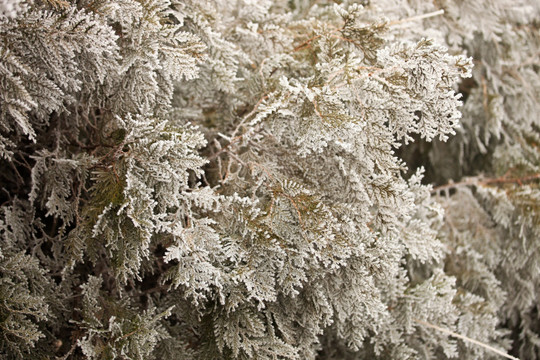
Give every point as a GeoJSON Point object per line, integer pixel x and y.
{"type": "Point", "coordinates": [269, 179]}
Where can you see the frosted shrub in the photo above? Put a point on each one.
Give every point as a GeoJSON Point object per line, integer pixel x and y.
{"type": "Point", "coordinates": [269, 179]}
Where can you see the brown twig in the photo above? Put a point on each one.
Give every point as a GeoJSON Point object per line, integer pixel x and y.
{"type": "Point", "coordinates": [308, 42]}
{"type": "Point", "coordinates": [477, 181]}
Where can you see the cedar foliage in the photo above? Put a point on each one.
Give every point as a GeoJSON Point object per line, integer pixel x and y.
{"type": "Point", "coordinates": [269, 179]}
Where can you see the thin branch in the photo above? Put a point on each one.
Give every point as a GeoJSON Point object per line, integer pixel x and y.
{"type": "Point", "coordinates": [478, 181]}
{"type": "Point", "coordinates": [236, 138]}
{"type": "Point", "coordinates": [252, 112]}
{"type": "Point", "coordinates": [308, 42]}
{"type": "Point", "coordinates": [416, 18]}
{"type": "Point", "coordinates": [465, 338]}
{"type": "Point", "coordinates": [129, 334]}
{"type": "Point", "coordinates": [316, 109]}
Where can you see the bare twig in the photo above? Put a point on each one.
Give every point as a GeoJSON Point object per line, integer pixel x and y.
{"type": "Point", "coordinates": [465, 338]}
{"type": "Point", "coordinates": [479, 181]}
{"type": "Point", "coordinates": [416, 18]}
{"type": "Point", "coordinates": [251, 113]}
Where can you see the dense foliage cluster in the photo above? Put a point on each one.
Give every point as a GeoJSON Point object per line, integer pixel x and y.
{"type": "Point", "coordinates": [291, 179]}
